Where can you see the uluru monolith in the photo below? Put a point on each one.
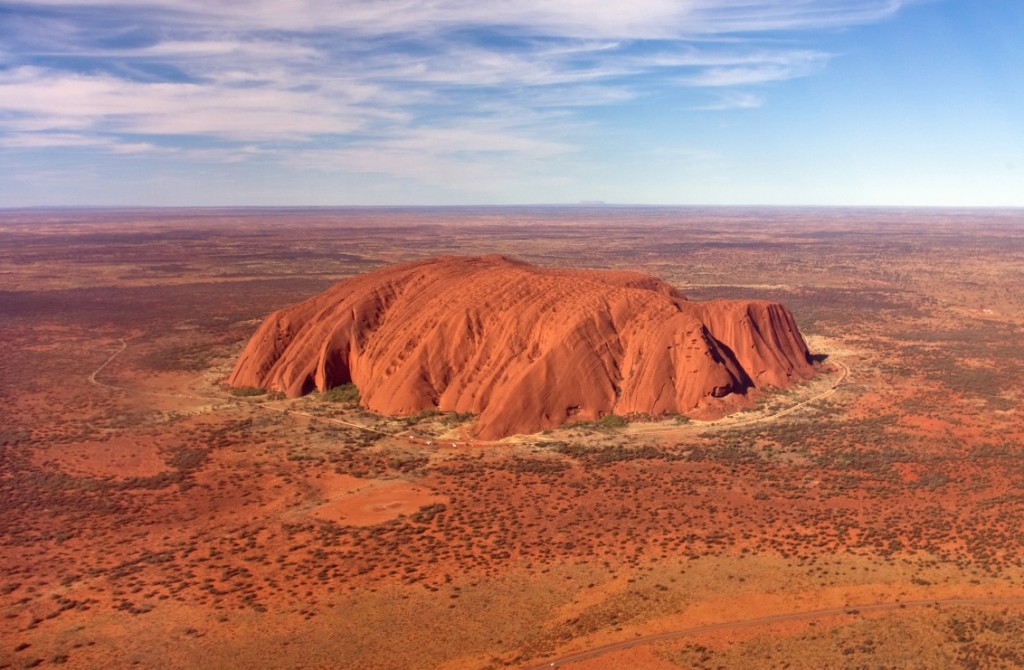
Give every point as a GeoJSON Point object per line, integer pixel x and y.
{"type": "Point", "coordinates": [523, 347]}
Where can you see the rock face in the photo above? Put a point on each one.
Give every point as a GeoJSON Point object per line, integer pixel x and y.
{"type": "Point", "coordinates": [525, 348]}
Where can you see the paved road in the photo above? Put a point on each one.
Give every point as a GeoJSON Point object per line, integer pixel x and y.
{"type": "Point", "coordinates": [768, 620]}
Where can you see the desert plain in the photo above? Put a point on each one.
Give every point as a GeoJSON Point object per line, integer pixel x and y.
{"type": "Point", "coordinates": [152, 516]}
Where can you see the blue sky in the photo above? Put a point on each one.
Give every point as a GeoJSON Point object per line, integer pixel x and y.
{"type": "Point", "coordinates": [430, 102]}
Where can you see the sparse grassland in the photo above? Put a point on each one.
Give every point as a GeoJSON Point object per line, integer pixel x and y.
{"type": "Point", "coordinates": [165, 520]}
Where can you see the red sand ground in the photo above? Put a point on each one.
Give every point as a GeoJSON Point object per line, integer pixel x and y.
{"type": "Point", "coordinates": [904, 483]}
{"type": "Point", "coordinates": [357, 502]}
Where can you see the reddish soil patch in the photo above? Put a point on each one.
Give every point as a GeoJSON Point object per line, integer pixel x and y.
{"type": "Point", "coordinates": [360, 502]}
{"type": "Point", "coordinates": [117, 457]}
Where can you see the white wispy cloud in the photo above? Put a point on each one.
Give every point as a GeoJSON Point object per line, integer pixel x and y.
{"type": "Point", "coordinates": [732, 100]}
{"type": "Point", "coordinates": [50, 140]}
{"type": "Point", "coordinates": [417, 88]}
{"type": "Point", "coordinates": [639, 19]}
{"type": "Point", "coordinates": [44, 99]}
{"type": "Point", "coordinates": [743, 75]}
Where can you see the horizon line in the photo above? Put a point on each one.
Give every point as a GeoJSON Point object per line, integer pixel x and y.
{"type": "Point", "coordinates": [552, 205]}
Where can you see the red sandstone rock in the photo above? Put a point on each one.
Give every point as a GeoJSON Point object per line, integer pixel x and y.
{"type": "Point", "coordinates": [526, 348]}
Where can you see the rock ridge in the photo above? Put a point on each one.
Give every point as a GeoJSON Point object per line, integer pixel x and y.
{"type": "Point", "coordinates": [525, 348]}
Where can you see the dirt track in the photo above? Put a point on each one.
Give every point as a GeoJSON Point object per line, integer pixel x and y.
{"type": "Point", "coordinates": [710, 425]}
{"type": "Point", "coordinates": [845, 372]}
{"type": "Point", "coordinates": [768, 620]}
{"type": "Point", "coordinates": [92, 377]}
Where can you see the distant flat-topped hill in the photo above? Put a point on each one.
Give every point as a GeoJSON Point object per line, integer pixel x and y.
{"type": "Point", "coordinates": [525, 348]}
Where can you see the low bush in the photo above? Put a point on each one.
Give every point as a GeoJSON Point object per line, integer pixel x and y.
{"type": "Point", "coordinates": [247, 391]}
{"type": "Point", "coordinates": [346, 393]}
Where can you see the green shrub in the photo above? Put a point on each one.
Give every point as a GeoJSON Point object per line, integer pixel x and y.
{"type": "Point", "coordinates": [247, 391]}
{"type": "Point", "coordinates": [346, 393]}
{"type": "Point", "coordinates": [611, 421]}
{"type": "Point", "coordinates": [606, 422]}
{"type": "Point", "coordinates": [454, 418]}
{"type": "Point", "coordinates": [187, 458]}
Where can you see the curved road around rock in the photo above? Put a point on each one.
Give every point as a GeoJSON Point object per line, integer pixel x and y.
{"type": "Point", "coordinates": [339, 422]}
{"type": "Point", "coordinates": [596, 652]}
{"type": "Point", "coordinates": [711, 425]}
{"type": "Point", "coordinates": [844, 374]}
